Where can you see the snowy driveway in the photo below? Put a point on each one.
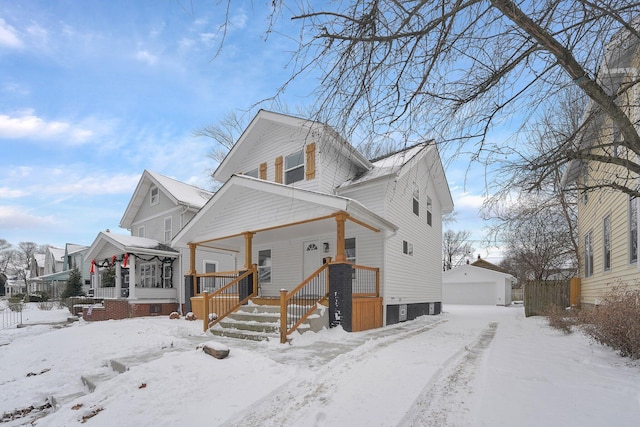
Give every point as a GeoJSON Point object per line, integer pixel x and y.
{"type": "Point", "coordinates": [470, 366]}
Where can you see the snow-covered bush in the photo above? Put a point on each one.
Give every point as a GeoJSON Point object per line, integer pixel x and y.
{"type": "Point", "coordinates": [615, 322]}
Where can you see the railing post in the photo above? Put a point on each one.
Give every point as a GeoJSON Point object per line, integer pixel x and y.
{"type": "Point", "coordinates": [205, 311]}
{"type": "Point", "coordinates": [283, 316]}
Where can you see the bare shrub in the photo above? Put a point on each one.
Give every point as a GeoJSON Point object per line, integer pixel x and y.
{"type": "Point", "coordinates": [45, 305]}
{"type": "Point", "coordinates": [616, 322]}
{"type": "Point", "coordinates": [560, 319]}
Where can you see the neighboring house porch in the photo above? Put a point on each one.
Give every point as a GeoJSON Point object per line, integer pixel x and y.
{"type": "Point", "coordinates": [133, 275]}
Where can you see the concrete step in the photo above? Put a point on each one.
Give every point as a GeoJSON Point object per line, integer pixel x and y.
{"type": "Point", "coordinates": [244, 334]}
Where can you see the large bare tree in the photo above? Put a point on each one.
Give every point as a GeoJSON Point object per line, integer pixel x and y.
{"type": "Point", "coordinates": [456, 248]}
{"type": "Point", "coordinates": [454, 70]}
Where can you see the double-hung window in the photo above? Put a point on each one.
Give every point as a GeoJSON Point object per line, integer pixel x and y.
{"type": "Point", "coordinates": [154, 196]}
{"type": "Point", "coordinates": [606, 243]}
{"type": "Point", "coordinates": [633, 230]}
{"type": "Point", "coordinates": [294, 167]}
{"type": "Point", "coordinates": [588, 255]}
{"type": "Point", "coordinates": [168, 229]}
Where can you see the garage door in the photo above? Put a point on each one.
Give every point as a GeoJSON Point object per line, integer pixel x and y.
{"type": "Point", "coordinates": [469, 293]}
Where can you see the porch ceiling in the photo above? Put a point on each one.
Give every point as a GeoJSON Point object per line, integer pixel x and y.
{"type": "Point", "coordinates": [292, 231]}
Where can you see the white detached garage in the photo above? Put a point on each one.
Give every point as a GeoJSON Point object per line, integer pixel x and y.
{"type": "Point", "coordinates": [468, 284]}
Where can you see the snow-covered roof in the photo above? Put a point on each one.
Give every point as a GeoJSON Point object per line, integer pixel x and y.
{"type": "Point", "coordinates": [387, 165]}
{"type": "Point", "coordinates": [178, 192]}
{"type": "Point", "coordinates": [184, 193]}
{"type": "Point", "coordinates": [73, 248]}
{"type": "Point", "coordinates": [56, 253]}
{"type": "Point", "coordinates": [108, 244]}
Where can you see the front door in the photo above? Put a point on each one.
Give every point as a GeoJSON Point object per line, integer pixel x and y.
{"type": "Point", "coordinates": [312, 257]}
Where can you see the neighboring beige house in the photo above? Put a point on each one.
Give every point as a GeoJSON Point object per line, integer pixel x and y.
{"type": "Point", "coordinates": [607, 218]}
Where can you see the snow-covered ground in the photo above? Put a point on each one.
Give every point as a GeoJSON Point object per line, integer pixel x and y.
{"type": "Point", "coordinates": [470, 366]}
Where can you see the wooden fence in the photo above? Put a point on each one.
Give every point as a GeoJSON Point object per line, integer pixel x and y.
{"type": "Point", "coordinates": [540, 296]}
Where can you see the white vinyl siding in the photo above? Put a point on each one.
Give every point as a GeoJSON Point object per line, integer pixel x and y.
{"type": "Point", "coordinates": [417, 278]}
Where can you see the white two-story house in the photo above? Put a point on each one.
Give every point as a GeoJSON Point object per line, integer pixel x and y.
{"type": "Point", "coordinates": [296, 197]}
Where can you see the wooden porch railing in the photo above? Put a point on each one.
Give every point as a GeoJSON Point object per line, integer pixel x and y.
{"type": "Point", "coordinates": [366, 281]}
{"type": "Point", "coordinates": [229, 296]}
{"type": "Point", "coordinates": [296, 306]}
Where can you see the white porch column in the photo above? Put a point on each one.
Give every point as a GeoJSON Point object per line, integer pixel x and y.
{"type": "Point", "coordinates": [132, 277]}
{"type": "Point", "coordinates": [118, 280]}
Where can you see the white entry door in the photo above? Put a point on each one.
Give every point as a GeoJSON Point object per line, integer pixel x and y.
{"type": "Point", "coordinates": [312, 258]}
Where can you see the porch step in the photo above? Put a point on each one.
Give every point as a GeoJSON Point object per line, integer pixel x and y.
{"type": "Point", "coordinates": [252, 322]}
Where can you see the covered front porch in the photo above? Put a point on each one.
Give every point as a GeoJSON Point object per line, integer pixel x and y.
{"type": "Point", "coordinates": [137, 270]}
{"type": "Point", "coordinates": [297, 249]}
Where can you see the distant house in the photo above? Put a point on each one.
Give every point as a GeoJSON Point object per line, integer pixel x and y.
{"type": "Point", "coordinates": [54, 282]}
{"type": "Point", "coordinates": [141, 274]}
{"type": "Point", "coordinates": [608, 219]}
{"type": "Point", "coordinates": [479, 283]}
{"type": "Point", "coordinates": [299, 210]}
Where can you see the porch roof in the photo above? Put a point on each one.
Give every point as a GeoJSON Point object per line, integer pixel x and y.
{"type": "Point", "coordinates": [109, 244]}
{"type": "Point", "coordinates": [273, 211]}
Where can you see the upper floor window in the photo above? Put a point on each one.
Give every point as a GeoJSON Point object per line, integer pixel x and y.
{"type": "Point", "coordinates": [154, 196]}
{"type": "Point", "coordinates": [588, 256]}
{"type": "Point", "coordinates": [294, 167]}
{"type": "Point", "coordinates": [585, 182]}
{"type": "Point", "coordinates": [168, 221]}
{"type": "Point", "coordinates": [429, 209]}
{"type": "Point", "coordinates": [606, 243]}
{"type": "Point", "coordinates": [633, 230]}
{"type": "Point", "coordinates": [141, 231]}
{"type": "Point", "coordinates": [416, 200]}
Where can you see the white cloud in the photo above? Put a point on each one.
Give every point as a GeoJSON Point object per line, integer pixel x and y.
{"type": "Point", "coordinates": [11, 193]}
{"type": "Point", "coordinates": [91, 184]}
{"type": "Point", "coordinates": [9, 36]}
{"type": "Point", "coordinates": [15, 217]}
{"type": "Point", "coordinates": [146, 57]}
{"type": "Point", "coordinates": [29, 126]}
{"type": "Point", "coordinates": [467, 200]}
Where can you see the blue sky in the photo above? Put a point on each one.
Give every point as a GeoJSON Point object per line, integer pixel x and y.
{"type": "Point", "coordinates": [94, 92]}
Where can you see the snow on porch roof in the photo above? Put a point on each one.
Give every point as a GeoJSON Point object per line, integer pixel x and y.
{"type": "Point", "coordinates": [122, 244]}
{"type": "Point", "coordinates": [246, 204]}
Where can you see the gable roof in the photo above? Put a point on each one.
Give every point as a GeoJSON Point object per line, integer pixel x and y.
{"type": "Point", "coordinates": [219, 217]}
{"type": "Point", "coordinates": [400, 162]}
{"type": "Point", "coordinates": [107, 244]}
{"type": "Point", "coordinates": [178, 192]}
{"type": "Point", "coordinates": [489, 266]}
{"type": "Point", "coordinates": [265, 120]}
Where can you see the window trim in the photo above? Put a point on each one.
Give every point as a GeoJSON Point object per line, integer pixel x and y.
{"type": "Point", "coordinates": [169, 230]}
{"type": "Point", "coordinates": [141, 231]}
{"type": "Point", "coordinates": [606, 243]}
{"type": "Point", "coordinates": [633, 230]}
{"type": "Point", "coordinates": [154, 200]}
{"type": "Point", "coordinates": [407, 248]}
{"type": "Point", "coordinates": [265, 267]}
{"type": "Point", "coordinates": [296, 167]}
{"type": "Point", "coordinates": [588, 254]}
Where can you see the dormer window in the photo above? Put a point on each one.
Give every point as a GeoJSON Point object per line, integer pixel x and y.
{"type": "Point", "coordinates": [154, 196]}
{"type": "Point", "coordinates": [294, 167]}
